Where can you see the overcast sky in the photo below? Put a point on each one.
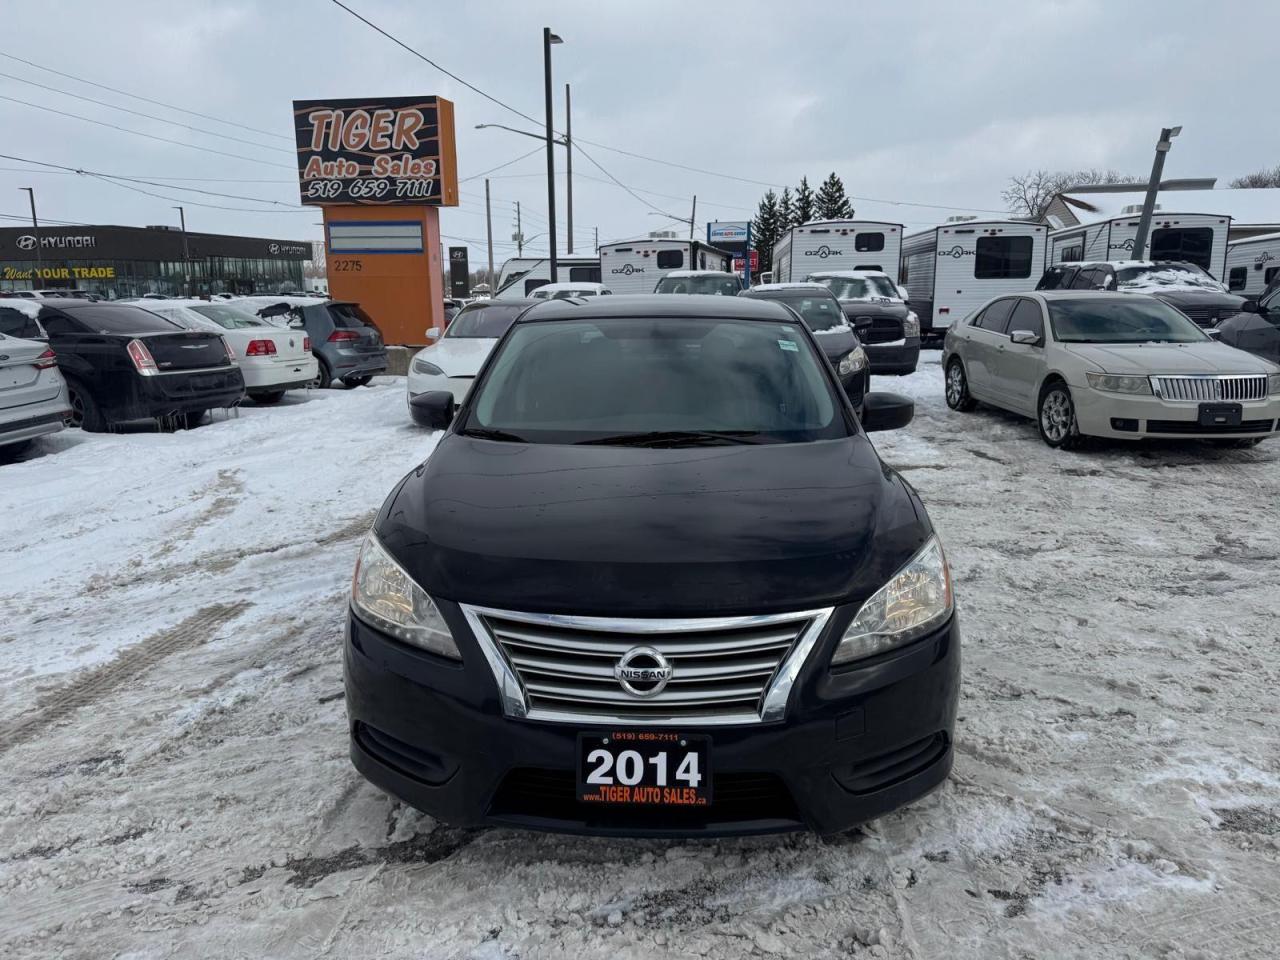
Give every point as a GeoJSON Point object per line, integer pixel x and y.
{"type": "Point", "coordinates": [927, 102]}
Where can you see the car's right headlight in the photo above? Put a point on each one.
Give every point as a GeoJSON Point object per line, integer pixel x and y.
{"type": "Point", "coordinates": [422, 366]}
{"type": "Point", "coordinates": [386, 596]}
{"type": "Point", "coordinates": [1273, 384]}
{"type": "Point", "coordinates": [852, 362]}
{"type": "Point", "coordinates": [911, 325]}
{"type": "Point", "coordinates": [1115, 383]}
{"type": "Point", "coordinates": [916, 600]}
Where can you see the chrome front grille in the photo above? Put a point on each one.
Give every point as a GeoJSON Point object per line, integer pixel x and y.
{"type": "Point", "coordinates": [722, 669]}
{"type": "Point", "coordinates": [1230, 387]}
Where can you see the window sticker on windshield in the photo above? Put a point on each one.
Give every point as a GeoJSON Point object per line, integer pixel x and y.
{"type": "Point", "coordinates": [789, 345]}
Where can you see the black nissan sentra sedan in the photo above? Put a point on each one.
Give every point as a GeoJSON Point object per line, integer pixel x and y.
{"type": "Point", "coordinates": [654, 581]}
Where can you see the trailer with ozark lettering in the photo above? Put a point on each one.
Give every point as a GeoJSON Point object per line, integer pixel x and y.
{"type": "Point", "coordinates": [1199, 238]}
{"type": "Point", "coordinates": [636, 266]}
{"type": "Point", "coordinates": [824, 245]}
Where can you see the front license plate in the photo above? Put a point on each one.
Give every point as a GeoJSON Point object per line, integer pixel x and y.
{"type": "Point", "coordinates": [644, 768]}
{"type": "Point", "coordinates": [1220, 414]}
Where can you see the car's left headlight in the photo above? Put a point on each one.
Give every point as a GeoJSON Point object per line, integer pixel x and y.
{"type": "Point", "coordinates": [916, 599]}
{"type": "Point", "coordinates": [1273, 384]}
{"type": "Point", "coordinates": [422, 366]}
{"type": "Point", "coordinates": [911, 325]}
{"type": "Point", "coordinates": [1113, 383]}
{"type": "Point", "coordinates": [852, 362]}
{"type": "Point", "coordinates": [386, 596]}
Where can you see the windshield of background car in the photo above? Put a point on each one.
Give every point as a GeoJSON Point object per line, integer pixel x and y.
{"type": "Point", "coordinates": [486, 321]}
{"type": "Point", "coordinates": [715, 286]}
{"type": "Point", "coordinates": [576, 381]}
{"type": "Point", "coordinates": [121, 318]}
{"type": "Point", "coordinates": [229, 317]}
{"type": "Point", "coordinates": [1166, 275]}
{"type": "Point", "coordinates": [859, 288]}
{"type": "Point", "coordinates": [820, 313]}
{"type": "Point", "coordinates": [1118, 321]}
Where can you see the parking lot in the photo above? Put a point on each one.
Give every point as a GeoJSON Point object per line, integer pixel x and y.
{"type": "Point", "coordinates": [175, 772]}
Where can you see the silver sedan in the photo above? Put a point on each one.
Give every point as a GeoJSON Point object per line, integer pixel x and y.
{"type": "Point", "coordinates": [1122, 365]}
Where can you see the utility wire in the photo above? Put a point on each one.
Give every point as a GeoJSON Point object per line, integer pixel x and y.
{"type": "Point", "coordinates": [485, 173]}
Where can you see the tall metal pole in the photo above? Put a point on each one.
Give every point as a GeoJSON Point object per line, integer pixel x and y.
{"type": "Point", "coordinates": [186, 254]}
{"type": "Point", "coordinates": [551, 157]}
{"type": "Point", "coordinates": [693, 215]}
{"type": "Point", "coordinates": [35, 229]}
{"type": "Point", "coordinates": [519, 233]}
{"type": "Point", "coordinates": [488, 223]}
{"type": "Point", "coordinates": [568, 169]}
{"type": "Point", "coordinates": [1153, 188]}
{"type": "Point", "coordinates": [597, 233]}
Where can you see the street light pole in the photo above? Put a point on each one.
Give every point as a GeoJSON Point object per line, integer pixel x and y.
{"type": "Point", "coordinates": [568, 170]}
{"type": "Point", "coordinates": [488, 223]}
{"type": "Point", "coordinates": [548, 38]}
{"type": "Point", "coordinates": [35, 229]}
{"type": "Point", "coordinates": [186, 254]}
{"type": "Point", "coordinates": [519, 233]}
{"type": "Point", "coordinates": [1153, 188]}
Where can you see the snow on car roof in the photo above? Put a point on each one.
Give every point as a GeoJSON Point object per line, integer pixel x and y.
{"type": "Point", "coordinates": [557, 287]}
{"type": "Point", "coordinates": [30, 307]}
{"type": "Point", "coordinates": [700, 273]}
{"type": "Point", "coordinates": [850, 274]}
{"type": "Point", "coordinates": [794, 285]}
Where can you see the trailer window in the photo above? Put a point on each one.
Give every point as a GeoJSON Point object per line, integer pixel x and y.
{"type": "Point", "coordinates": [1269, 275]}
{"type": "Point", "coordinates": [670, 259]}
{"type": "Point", "coordinates": [1002, 258]}
{"type": "Point", "coordinates": [584, 274]}
{"type": "Point", "coordinates": [1073, 253]}
{"type": "Point", "coordinates": [534, 283]}
{"type": "Point", "coordinates": [868, 242]}
{"type": "Point", "coordinates": [1238, 278]}
{"type": "Point", "coordinates": [1193, 245]}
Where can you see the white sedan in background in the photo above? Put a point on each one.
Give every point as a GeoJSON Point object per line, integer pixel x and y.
{"type": "Point", "coordinates": [567, 291]}
{"type": "Point", "coordinates": [271, 359]}
{"type": "Point", "coordinates": [453, 361]}
{"type": "Point", "coordinates": [1121, 365]}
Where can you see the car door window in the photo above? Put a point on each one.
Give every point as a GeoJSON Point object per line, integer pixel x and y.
{"type": "Point", "coordinates": [1084, 280]}
{"type": "Point", "coordinates": [996, 317]}
{"type": "Point", "coordinates": [60, 323]}
{"type": "Point", "coordinates": [15, 323]}
{"type": "Point", "coordinates": [1026, 316]}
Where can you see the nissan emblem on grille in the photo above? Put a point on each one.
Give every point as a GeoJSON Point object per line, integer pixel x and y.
{"type": "Point", "coordinates": [643, 672]}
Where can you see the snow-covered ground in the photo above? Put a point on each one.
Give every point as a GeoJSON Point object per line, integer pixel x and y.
{"type": "Point", "coordinates": [175, 780]}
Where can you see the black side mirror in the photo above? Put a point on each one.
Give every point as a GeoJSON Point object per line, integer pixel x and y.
{"type": "Point", "coordinates": [1250, 306]}
{"type": "Point", "coordinates": [433, 409]}
{"type": "Point", "coordinates": [886, 411]}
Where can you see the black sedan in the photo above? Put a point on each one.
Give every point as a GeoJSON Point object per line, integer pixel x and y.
{"type": "Point", "coordinates": [822, 313]}
{"type": "Point", "coordinates": [654, 580]}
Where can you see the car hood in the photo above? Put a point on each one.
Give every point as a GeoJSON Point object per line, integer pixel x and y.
{"type": "Point", "coordinates": [459, 356]}
{"type": "Point", "coordinates": [874, 308]}
{"type": "Point", "coordinates": [1190, 297]}
{"type": "Point", "coordinates": [1141, 359]}
{"type": "Point", "coordinates": [603, 530]}
{"type": "Point", "coordinates": [835, 343]}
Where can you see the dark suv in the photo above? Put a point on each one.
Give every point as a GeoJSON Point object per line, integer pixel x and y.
{"type": "Point", "coordinates": [654, 580]}
{"type": "Point", "coordinates": [1182, 285]}
{"type": "Point", "coordinates": [124, 363]}
{"type": "Point", "coordinates": [343, 338]}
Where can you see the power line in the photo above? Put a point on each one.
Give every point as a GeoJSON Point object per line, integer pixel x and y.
{"type": "Point", "coordinates": [135, 96]}
{"type": "Point", "coordinates": [620, 183]}
{"type": "Point", "coordinates": [485, 173]}
{"type": "Point", "coordinates": [26, 218]}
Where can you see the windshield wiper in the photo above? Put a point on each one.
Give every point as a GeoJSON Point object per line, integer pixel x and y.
{"type": "Point", "coordinates": [671, 438]}
{"type": "Point", "coordinates": [487, 433]}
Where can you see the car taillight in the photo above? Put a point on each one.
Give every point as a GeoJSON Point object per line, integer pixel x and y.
{"type": "Point", "coordinates": [143, 362]}
{"type": "Point", "coordinates": [261, 348]}
{"type": "Point", "coordinates": [306, 344]}
{"type": "Point", "coordinates": [46, 360]}
{"type": "Point", "coordinates": [231, 354]}
{"type": "Point", "coordinates": [340, 336]}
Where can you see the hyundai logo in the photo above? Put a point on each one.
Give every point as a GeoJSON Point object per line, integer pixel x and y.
{"type": "Point", "coordinates": [273, 247]}
{"type": "Point", "coordinates": [26, 242]}
{"type": "Point", "coordinates": [823, 252]}
{"type": "Point", "coordinates": [643, 672]}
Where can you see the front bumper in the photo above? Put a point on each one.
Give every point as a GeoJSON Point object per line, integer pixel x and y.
{"type": "Point", "coordinates": [857, 386]}
{"type": "Point", "coordinates": [1149, 416]}
{"type": "Point", "coordinates": [900, 356]}
{"type": "Point", "coordinates": [856, 743]}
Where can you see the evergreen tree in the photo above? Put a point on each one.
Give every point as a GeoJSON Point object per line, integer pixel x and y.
{"type": "Point", "coordinates": [832, 204]}
{"type": "Point", "coordinates": [765, 229]}
{"type": "Point", "coordinates": [786, 212]}
{"type": "Point", "coordinates": [804, 206]}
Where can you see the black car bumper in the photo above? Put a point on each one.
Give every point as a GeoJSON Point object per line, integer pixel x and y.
{"type": "Point", "coordinates": [901, 356]}
{"type": "Point", "coordinates": [856, 744]}
{"type": "Point", "coordinates": [856, 386]}
{"type": "Point", "coordinates": [171, 394]}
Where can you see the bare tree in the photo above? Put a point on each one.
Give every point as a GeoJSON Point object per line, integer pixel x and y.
{"type": "Point", "coordinates": [1030, 194]}
{"type": "Point", "coordinates": [1260, 178]}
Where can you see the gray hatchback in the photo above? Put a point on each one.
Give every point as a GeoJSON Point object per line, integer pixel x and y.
{"type": "Point", "coordinates": [343, 338]}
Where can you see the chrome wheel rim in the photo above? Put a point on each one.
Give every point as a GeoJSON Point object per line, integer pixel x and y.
{"type": "Point", "coordinates": [77, 410]}
{"type": "Point", "coordinates": [955, 384]}
{"type": "Point", "coordinates": [1056, 415]}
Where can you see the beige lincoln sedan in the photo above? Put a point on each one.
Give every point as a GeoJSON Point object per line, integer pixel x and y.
{"type": "Point", "coordinates": [1095, 364]}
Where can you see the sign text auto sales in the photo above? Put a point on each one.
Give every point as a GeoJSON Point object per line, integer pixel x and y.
{"type": "Point", "coordinates": [374, 152]}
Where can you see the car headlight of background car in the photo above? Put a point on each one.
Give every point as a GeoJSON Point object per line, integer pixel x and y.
{"type": "Point", "coordinates": [916, 599]}
{"type": "Point", "coordinates": [422, 366]}
{"type": "Point", "coordinates": [385, 596]}
{"type": "Point", "coordinates": [911, 325]}
{"type": "Point", "coordinates": [1273, 384]}
{"type": "Point", "coordinates": [852, 362]}
{"type": "Point", "coordinates": [1113, 383]}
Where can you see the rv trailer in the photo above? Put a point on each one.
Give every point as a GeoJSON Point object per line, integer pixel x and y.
{"type": "Point", "coordinates": [825, 245]}
{"type": "Point", "coordinates": [636, 266]}
{"type": "Point", "coordinates": [1199, 238]}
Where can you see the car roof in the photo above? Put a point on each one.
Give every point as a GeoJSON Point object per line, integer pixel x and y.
{"type": "Point", "coordinates": [571, 285]}
{"type": "Point", "coordinates": [795, 287]}
{"type": "Point", "coordinates": [1080, 294]}
{"type": "Point", "coordinates": [655, 306]}
{"type": "Point", "coordinates": [505, 302]}
{"type": "Point", "coordinates": [1125, 264]}
{"type": "Point", "coordinates": [701, 273]}
{"type": "Point", "coordinates": [850, 274]}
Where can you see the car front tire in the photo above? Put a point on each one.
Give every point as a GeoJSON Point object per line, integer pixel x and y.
{"type": "Point", "coordinates": [1056, 417]}
{"type": "Point", "coordinates": [957, 387]}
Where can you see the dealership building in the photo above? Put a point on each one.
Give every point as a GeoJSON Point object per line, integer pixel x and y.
{"type": "Point", "coordinates": [118, 262]}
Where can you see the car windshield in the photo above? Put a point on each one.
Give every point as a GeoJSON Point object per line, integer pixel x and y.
{"type": "Point", "coordinates": [486, 321]}
{"type": "Point", "coordinates": [720, 286]}
{"type": "Point", "coordinates": [228, 317]}
{"type": "Point", "coordinates": [1160, 275]}
{"type": "Point", "coordinates": [820, 313]}
{"type": "Point", "coordinates": [859, 288]}
{"type": "Point", "coordinates": [1120, 321]}
{"type": "Point", "coordinates": [656, 382]}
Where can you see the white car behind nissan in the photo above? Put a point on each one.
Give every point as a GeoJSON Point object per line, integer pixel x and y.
{"type": "Point", "coordinates": [271, 359]}
{"type": "Point", "coordinates": [452, 362]}
{"type": "Point", "coordinates": [1119, 365]}
{"type": "Point", "coordinates": [33, 394]}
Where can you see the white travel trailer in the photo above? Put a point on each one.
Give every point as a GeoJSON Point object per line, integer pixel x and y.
{"type": "Point", "coordinates": [520, 276]}
{"type": "Point", "coordinates": [837, 245]}
{"type": "Point", "coordinates": [952, 269]}
{"type": "Point", "coordinates": [1199, 238]}
{"type": "Point", "coordinates": [636, 266]}
{"type": "Point", "coordinates": [1252, 264]}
